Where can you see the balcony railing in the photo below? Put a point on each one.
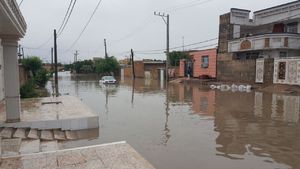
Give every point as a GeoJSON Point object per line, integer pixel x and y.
{"type": "Point", "coordinates": [265, 42]}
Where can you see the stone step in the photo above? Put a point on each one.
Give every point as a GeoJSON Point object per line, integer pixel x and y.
{"type": "Point", "coordinates": [30, 146]}
{"type": "Point", "coordinates": [33, 134]}
{"type": "Point", "coordinates": [7, 132]}
{"type": "Point", "coordinates": [20, 133]}
{"type": "Point", "coordinates": [59, 135]}
{"type": "Point", "coordinates": [49, 146]}
{"type": "Point", "coordinates": [47, 135]}
{"type": "Point", "coordinates": [71, 135]}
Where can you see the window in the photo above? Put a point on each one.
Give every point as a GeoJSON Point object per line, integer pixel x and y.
{"type": "Point", "coordinates": [283, 54]}
{"type": "Point", "coordinates": [292, 27]}
{"type": "Point", "coordinates": [205, 62]}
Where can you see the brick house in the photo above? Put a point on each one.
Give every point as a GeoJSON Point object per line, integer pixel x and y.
{"type": "Point", "coordinates": [202, 64]}
{"type": "Point", "coordinates": [271, 34]}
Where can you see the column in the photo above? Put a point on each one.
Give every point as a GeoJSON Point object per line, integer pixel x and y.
{"type": "Point", "coordinates": [11, 80]}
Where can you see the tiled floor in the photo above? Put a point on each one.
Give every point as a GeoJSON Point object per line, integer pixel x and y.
{"type": "Point", "coordinates": [116, 155]}
{"type": "Point", "coordinates": [36, 109]}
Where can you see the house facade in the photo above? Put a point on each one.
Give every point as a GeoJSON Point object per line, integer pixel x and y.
{"type": "Point", "coordinates": [12, 28]}
{"type": "Point", "coordinates": [202, 64]}
{"type": "Point", "coordinates": [272, 33]}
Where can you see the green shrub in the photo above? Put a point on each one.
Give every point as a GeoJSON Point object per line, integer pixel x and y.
{"type": "Point", "coordinates": [42, 77]}
{"type": "Point", "coordinates": [32, 64]}
{"type": "Point", "coordinates": [27, 90]}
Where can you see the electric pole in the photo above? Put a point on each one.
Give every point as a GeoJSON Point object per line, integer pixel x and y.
{"type": "Point", "coordinates": [105, 46]}
{"type": "Point", "coordinates": [55, 66]}
{"type": "Point", "coordinates": [166, 19]}
{"type": "Point", "coordinates": [19, 53]}
{"type": "Point", "coordinates": [132, 64]}
{"type": "Point", "coordinates": [52, 66]}
{"type": "Point", "coordinates": [23, 53]}
{"type": "Point", "coordinates": [76, 56]}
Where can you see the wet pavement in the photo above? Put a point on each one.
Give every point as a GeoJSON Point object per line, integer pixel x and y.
{"type": "Point", "coordinates": [192, 127]}
{"type": "Point", "coordinates": [115, 155]}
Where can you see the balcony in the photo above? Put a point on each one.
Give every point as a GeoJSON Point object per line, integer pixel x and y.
{"type": "Point", "coordinates": [265, 42]}
{"type": "Point", "coordinates": [12, 23]}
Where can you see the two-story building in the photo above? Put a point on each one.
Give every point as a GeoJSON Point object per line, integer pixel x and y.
{"type": "Point", "coordinates": [272, 33]}
{"type": "Point", "coordinates": [12, 28]}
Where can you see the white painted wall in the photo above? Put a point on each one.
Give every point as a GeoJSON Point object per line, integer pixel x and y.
{"type": "Point", "coordinates": [284, 12]}
{"type": "Point", "coordinates": [258, 42]}
{"type": "Point", "coordinates": [2, 95]}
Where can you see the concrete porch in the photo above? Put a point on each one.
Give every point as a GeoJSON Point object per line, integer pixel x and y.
{"type": "Point", "coordinates": [66, 113]}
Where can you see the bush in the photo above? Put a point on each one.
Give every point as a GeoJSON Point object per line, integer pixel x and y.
{"type": "Point", "coordinates": [41, 77]}
{"type": "Point", "coordinates": [32, 64]}
{"type": "Point", "coordinates": [27, 90]}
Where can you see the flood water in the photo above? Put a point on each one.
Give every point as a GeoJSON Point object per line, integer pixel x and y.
{"type": "Point", "coordinates": [192, 127]}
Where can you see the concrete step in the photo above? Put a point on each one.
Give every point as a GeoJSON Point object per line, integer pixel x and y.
{"type": "Point", "coordinates": [20, 133]}
{"type": "Point", "coordinates": [33, 134]}
{"type": "Point", "coordinates": [47, 135]}
{"type": "Point", "coordinates": [49, 146]}
{"type": "Point", "coordinates": [71, 135]}
{"type": "Point", "coordinates": [7, 132]}
{"type": "Point", "coordinates": [59, 135]}
{"type": "Point", "coordinates": [30, 146]}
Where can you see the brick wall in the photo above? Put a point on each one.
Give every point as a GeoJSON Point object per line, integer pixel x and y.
{"type": "Point", "coordinates": [225, 33]}
{"type": "Point", "coordinates": [182, 68]}
{"type": "Point", "coordinates": [153, 69]}
{"type": "Point", "coordinates": [138, 68]}
{"type": "Point", "coordinates": [236, 71]}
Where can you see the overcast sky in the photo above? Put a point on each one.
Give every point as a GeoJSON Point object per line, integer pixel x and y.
{"type": "Point", "coordinates": [126, 24]}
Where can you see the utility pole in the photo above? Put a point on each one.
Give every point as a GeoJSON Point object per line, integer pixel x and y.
{"type": "Point", "coordinates": [19, 53]}
{"type": "Point", "coordinates": [55, 61]}
{"type": "Point", "coordinates": [76, 56]}
{"type": "Point", "coordinates": [105, 46]}
{"type": "Point", "coordinates": [132, 64]}
{"type": "Point", "coordinates": [183, 43]}
{"type": "Point", "coordinates": [166, 19]}
{"type": "Point", "coordinates": [52, 66]}
{"type": "Point", "coordinates": [23, 53]}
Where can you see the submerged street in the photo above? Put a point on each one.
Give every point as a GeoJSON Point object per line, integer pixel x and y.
{"type": "Point", "coordinates": [192, 126]}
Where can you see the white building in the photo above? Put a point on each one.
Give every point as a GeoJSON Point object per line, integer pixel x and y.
{"type": "Point", "coordinates": [271, 33]}
{"type": "Point", "coordinates": [12, 28]}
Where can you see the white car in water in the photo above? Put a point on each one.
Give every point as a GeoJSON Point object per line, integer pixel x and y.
{"type": "Point", "coordinates": [108, 80]}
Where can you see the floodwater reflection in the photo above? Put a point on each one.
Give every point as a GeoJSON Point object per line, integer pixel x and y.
{"type": "Point", "coordinates": [188, 126]}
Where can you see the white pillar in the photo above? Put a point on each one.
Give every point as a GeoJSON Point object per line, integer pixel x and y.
{"type": "Point", "coordinates": [11, 80]}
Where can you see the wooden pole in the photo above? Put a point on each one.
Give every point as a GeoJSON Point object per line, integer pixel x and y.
{"type": "Point", "coordinates": [55, 66]}
{"type": "Point", "coordinates": [132, 64]}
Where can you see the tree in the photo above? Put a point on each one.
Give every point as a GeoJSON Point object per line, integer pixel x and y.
{"type": "Point", "coordinates": [32, 64]}
{"type": "Point", "coordinates": [107, 65]}
{"type": "Point", "coordinates": [176, 56]}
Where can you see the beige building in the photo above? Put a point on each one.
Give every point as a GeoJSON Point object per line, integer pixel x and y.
{"type": "Point", "coordinates": [12, 28]}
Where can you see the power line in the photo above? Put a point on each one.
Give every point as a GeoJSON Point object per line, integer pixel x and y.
{"type": "Point", "coordinates": [67, 20]}
{"type": "Point", "coordinates": [177, 47]}
{"type": "Point", "coordinates": [21, 3]}
{"type": "Point", "coordinates": [62, 26]}
{"type": "Point", "coordinates": [86, 25]}
{"type": "Point", "coordinates": [69, 7]}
